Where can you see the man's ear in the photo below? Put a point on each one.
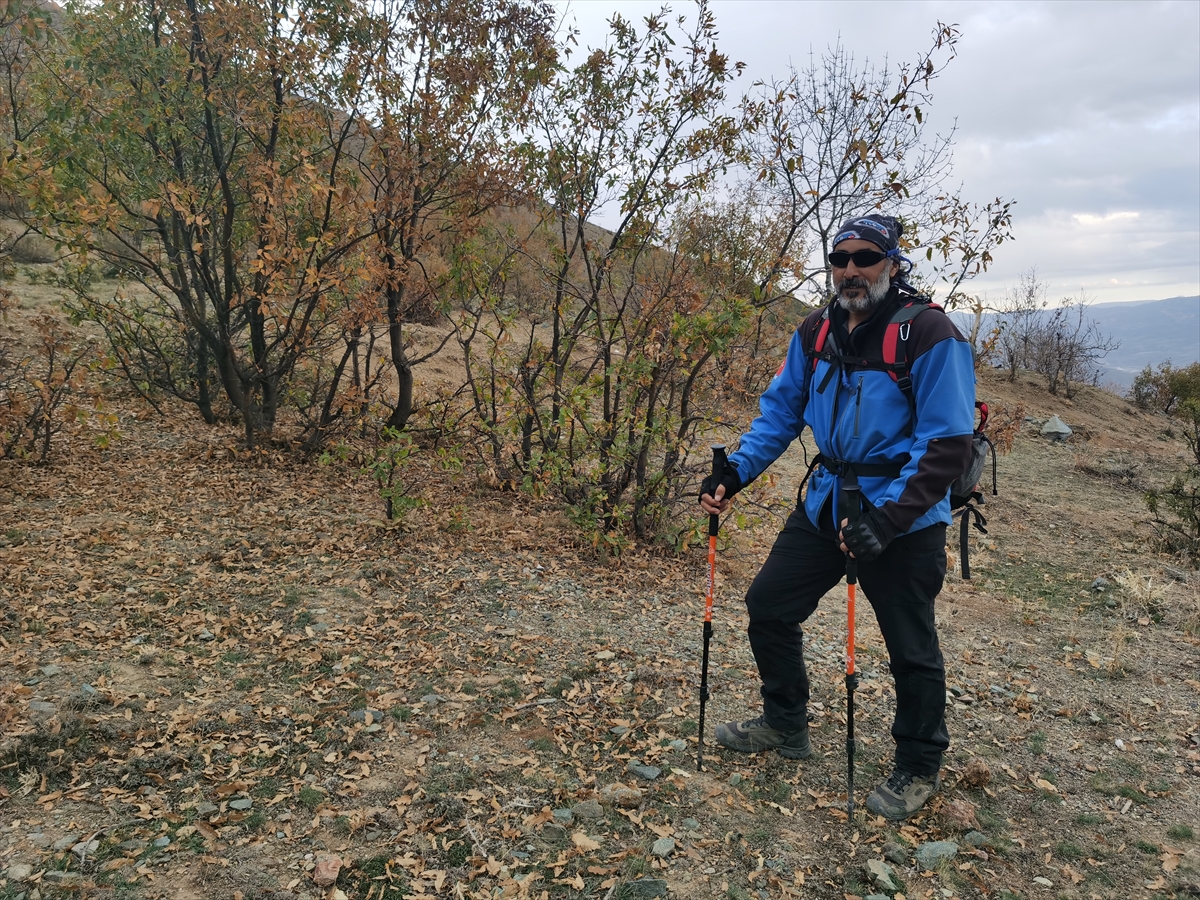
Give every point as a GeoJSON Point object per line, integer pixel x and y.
{"type": "Point", "coordinates": [895, 270]}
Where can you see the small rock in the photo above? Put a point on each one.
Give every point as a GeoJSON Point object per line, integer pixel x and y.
{"type": "Point", "coordinates": [241, 803]}
{"type": "Point", "coordinates": [520, 854]}
{"type": "Point", "coordinates": [63, 843]}
{"type": "Point", "coordinates": [360, 715]}
{"type": "Point", "coordinates": [882, 875]}
{"type": "Point", "coordinates": [1056, 429]}
{"type": "Point", "coordinates": [206, 635]}
{"type": "Point", "coordinates": [618, 794]}
{"type": "Point", "coordinates": [678, 745]}
{"type": "Point", "coordinates": [895, 853]}
{"type": "Point", "coordinates": [645, 889]}
{"type": "Point", "coordinates": [735, 779]}
{"type": "Point", "coordinates": [618, 730]}
{"type": "Point", "coordinates": [431, 699]}
{"type": "Point", "coordinates": [40, 840]}
{"type": "Point", "coordinates": [133, 845]}
{"type": "Point", "coordinates": [206, 809]}
{"type": "Point", "coordinates": [51, 671]}
{"type": "Point", "coordinates": [1044, 882]}
{"type": "Point", "coordinates": [587, 809]}
{"type": "Point", "coordinates": [555, 835]}
{"type": "Point", "coordinates": [877, 897]}
{"type": "Point", "coordinates": [1110, 603]}
{"type": "Point", "coordinates": [1100, 583]}
{"type": "Point", "coordinates": [932, 854]}
{"type": "Point", "coordinates": [41, 706]}
{"type": "Point", "coordinates": [663, 847]}
{"type": "Point", "coordinates": [85, 848]}
{"type": "Point", "coordinates": [975, 839]}
{"type": "Point", "coordinates": [691, 824]}
{"type": "Point", "coordinates": [327, 867]}
{"type": "Point", "coordinates": [563, 816]}
{"type": "Point", "coordinates": [161, 842]}
{"type": "Point", "coordinates": [960, 814]}
{"type": "Point", "coordinates": [19, 872]}
{"type": "Point", "coordinates": [647, 772]}
{"type": "Point", "coordinates": [605, 654]}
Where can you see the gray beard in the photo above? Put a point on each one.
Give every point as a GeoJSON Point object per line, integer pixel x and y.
{"type": "Point", "coordinates": [873, 296]}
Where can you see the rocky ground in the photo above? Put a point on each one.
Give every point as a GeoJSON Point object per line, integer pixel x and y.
{"type": "Point", "coordinates": [221, 675]}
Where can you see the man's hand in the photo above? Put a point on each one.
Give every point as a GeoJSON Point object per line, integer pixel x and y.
{"type": "Point", "coordinates": [869, 536]}
{"type": "Point", "coordinates": [716, 493]}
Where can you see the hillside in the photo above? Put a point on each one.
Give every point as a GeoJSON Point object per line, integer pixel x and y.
{"type": "Point", "coordinates": [221, 668]}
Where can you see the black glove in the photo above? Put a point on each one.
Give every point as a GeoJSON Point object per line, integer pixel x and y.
{"type": "Point", "coordinates": [729, 477]}
{"type": "Point", "coordinates": [868, 536]}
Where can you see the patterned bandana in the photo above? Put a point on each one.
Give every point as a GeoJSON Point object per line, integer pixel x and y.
{"type": "Point", "coordinates": [882, 231]}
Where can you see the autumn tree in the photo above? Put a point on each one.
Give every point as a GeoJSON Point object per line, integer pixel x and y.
{"type": "Point", "coordinates": [450, 83]}
{"type": "Point", "coordinates": [199, 150]}
{"type": "Point", "coordinates": [595, 389]}
{"type": "Point", "coordinates": [840, 138]}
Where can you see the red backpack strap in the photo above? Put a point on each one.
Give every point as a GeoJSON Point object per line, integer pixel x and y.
{"type": "Point", "coordinates": [895, 347]}
{"type": "Point", "coordinates": [820, 338]}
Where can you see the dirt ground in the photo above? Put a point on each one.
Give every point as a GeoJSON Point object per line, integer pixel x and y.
{"type": "Point", "coordinates": [216, 668]}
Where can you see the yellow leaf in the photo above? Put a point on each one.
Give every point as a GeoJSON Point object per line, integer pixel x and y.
{"type": "Point", "coordinates": [583, 842]}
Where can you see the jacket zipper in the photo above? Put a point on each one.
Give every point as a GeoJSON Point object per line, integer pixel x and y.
{"type": "Point", "coordinates": [857, 404]}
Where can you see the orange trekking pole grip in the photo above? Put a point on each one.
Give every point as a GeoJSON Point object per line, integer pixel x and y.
{"type": "Point", "coordinates": [714, 522]}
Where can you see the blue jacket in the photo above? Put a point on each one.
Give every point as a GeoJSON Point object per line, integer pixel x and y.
{"type": "Point", "coordinates": [862, 416]}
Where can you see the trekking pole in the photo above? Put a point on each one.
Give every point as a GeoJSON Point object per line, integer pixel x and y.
{"type": "Point", "coordinates": [714, 521]}
{"type": "Point", "coordinates": [853, 506]}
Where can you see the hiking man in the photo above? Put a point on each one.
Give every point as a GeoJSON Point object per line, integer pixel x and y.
{"type": "Point", "coordinates": [897, 437]}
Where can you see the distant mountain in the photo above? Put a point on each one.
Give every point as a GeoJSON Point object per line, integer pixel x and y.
{"type": "Point", "coordinates": [1150, 331]}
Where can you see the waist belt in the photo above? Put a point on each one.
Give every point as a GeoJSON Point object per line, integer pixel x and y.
{"type": "Point", "coordinates": [844, 467]}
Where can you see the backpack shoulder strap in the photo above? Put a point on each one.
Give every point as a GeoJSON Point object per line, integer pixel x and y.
{"type": "Point", "coordinates": [895, 344]}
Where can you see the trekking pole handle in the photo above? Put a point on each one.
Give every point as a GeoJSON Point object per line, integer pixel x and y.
{"type": "Point", "coordinates": [718, 469]}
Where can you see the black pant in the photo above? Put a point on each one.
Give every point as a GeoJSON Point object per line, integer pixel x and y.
{"type": "Point", "coordinates": [901, 585]}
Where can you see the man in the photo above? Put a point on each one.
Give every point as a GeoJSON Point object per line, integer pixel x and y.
{"type": "Point", "coordinates": [902, 450]}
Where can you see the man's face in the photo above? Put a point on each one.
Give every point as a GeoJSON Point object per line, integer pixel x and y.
{"type": "Point", "coordinates": [861, 288]}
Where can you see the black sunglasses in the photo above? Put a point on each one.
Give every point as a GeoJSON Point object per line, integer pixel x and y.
{"type": "Point", "coordinates": [864, 259]}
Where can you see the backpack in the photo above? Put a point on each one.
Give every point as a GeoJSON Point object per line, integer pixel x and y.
{"type": "Point", "coordinates": [964, 492]}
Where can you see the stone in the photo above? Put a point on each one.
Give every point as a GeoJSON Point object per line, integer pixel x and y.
{"type": "Point", "coordinates": [1044, 882]}
{"type": "Point", "coordinates": [431, 699]}
{"type": "Point", "coordinates": [51, 671]}
{"type": "Point", "coordinates": [19, 872]}
{"type": "Point", "coordinates": [563, 816]}
{"type": "Point", "coordinates": [241, 803]}
{"type": "Point", "coordinates": [206, 635]}
{"type": "Point", "coordinates": [877, 897]}
{"type": "Point", "coordinates": [882, 875]}
{"type": "Point", "coordinates": [133, 845]}
{"type": "Point", "coordinates": [360, 715]}
{"type": "Point", "coordinates": [618, 794]}
{"type": "Point", "coordinates": [975, 839]}
{"type": "Point", "coordinates": [678, 745]}
{"type": "Point", "coordinates": [1056, 429]}
{"type": "Point", "coordinates": [895, 852]}
{"type": "Point", "coordinates": [205, 809]}
{"type": "Point", "coordinates": [587, 809]}
{"type": "Point", "coordinates": [932, 854]}
{"type": "Point", "coordinates": [161, 842]}
{"type": "Point", "coordinates": [960, 814]}
{"type": "Point", "coordinates": [41, 706]}
{"type": "Point", "coordinates": [63, 843]}
{"type": "Point", "coordinates": [39, 840]}
{"type": "Point", "coordinates": [647, 772]}
{"type": "Point", "coordinates": [605, 654]}
{"type": "Point", "coordinates": [1100, 584]}
{"type": "Point", "coordinates": [326, 871]}
{"type": "Point", "coordinates": [645, 889]}
{"type": "Point", "coordinates": [735, 779]}
{"type": "Point", "coordinates": [691, 824]}
{"type": "Point", "coordinates": [85, 848]}
{"type": "Point", "coordinates": [618, 730]}
{"type": "Point", "coordinates": [663, 847]}
{"type": "Point", "coordinates": [555, 835]}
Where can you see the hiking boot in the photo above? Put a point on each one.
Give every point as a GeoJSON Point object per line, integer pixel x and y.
{"type": "Point", "coordinates": [902, 794]}
{"type": "Point", "coordinates": [755, 735]}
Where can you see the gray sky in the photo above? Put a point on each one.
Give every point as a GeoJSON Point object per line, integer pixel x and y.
{"type": "Point", "coordinates": [1087, 113]}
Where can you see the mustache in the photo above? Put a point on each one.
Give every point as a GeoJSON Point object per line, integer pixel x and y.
{"type": "Point", "coordinates": [853, 282]}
